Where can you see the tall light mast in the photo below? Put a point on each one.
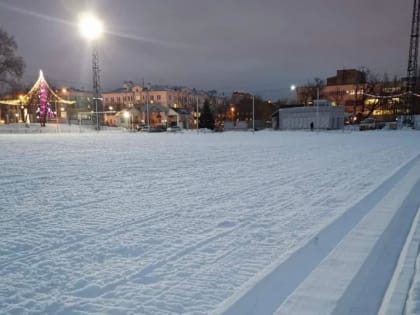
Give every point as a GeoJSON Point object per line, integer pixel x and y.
{"type": "Point", "coordinates": [412, 58]}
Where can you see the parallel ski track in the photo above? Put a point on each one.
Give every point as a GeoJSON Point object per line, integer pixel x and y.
{"type": "Point", "coordinates": [259, 293]}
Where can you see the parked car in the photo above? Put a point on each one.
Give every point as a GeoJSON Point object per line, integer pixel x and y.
{"type": "Point", "coordinates": [173, 129]}
{"type": "Point", "coordinates": [143, 128]}
{"type": "Point", "coordinates": [161, 128]}
{"type": "Point", "coordinates": [367, 124]}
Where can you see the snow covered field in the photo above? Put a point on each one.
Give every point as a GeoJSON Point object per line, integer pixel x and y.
{"type": "Point", "coordinates": [135, 223]}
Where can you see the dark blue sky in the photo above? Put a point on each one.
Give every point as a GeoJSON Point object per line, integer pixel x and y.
{"type": "Point", "coordinates": [261, 46]}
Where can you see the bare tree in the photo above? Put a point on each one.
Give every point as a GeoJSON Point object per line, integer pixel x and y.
{"type": "Point", "coordinates": [383, 95]}
{"type": "Point", "coordinates": [309, 92]}
{"type": "Point", "coordinates": [11, 65]}
{"type": "Point", "coordinates": [338, 96]}
{"type": "Point", "coordinates": [364, 87]}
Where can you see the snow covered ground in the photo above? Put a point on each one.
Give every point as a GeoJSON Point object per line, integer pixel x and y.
{"type": "Point", "coordinates": [135, 223]}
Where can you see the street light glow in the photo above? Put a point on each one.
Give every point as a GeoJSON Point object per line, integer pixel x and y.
{"type": "Point", "coordinates": [293, 87]}
{"type": "Point", "coordinates": [127, 115]}
{"type": "Point", "coordinates": [90, 26]}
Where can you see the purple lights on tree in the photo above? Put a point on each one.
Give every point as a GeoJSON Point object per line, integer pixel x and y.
{"type": "Point", "coordinates": [44, 107]}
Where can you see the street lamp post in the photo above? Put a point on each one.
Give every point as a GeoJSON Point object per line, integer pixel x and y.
{"type": "Point", "coordinates": [24, 110]}
{"type": "Point", "coordinates": [21, 108]}
{"type": "Point", "coordinates": [147, 113]}
{"type": "Point", "coordinates": [92, 28]}
{"type": "Point", "coordinates": [253, 113]}
{"type": "Point", "coordinates": [149, 86]}
{"type": "Point", "coordinates": [317, 107]}
{"type": "Point", "coordinates": [197, 112]}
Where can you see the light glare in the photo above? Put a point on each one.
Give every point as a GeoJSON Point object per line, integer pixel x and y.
{"type": "Point", "coordinates": [90, 26]}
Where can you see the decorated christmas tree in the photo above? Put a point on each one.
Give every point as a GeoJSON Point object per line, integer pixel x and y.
{"type": "Point", "coordinates": [38, 100]}
{"type": "Point", "coordinates": [44, 107]}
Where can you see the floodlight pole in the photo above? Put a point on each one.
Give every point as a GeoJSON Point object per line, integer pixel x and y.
{"type": "Point", "coordinates": [96, 81]}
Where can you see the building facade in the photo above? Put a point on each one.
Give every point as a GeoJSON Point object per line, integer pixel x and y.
{"type": "Point", "coordinates": [359, 98]}
{"type": "Point", "coordinates": [135, 95]}
{"type": "Point", "coordinates": [181, 99]}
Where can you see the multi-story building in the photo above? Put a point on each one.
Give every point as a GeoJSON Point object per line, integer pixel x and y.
{"type": "Point", "coordinates": [342, 89]}
{"type": "Point", "coordinates": [350, 89]}
{"type": "Point", "coordinates": [132, 95]}
{"type": "Point", "coordinates": [346, 88]}
{"type": "Point", "coordinates": [126, 97]}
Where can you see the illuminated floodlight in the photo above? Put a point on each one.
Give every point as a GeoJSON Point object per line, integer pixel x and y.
{"type": "Point", "coordinates": [90, 26]}
{"type": "Point", "coordinates": [293, 87]}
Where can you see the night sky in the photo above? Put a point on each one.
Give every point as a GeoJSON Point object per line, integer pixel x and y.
{"type": "Point", "coordinates": [260, 46]}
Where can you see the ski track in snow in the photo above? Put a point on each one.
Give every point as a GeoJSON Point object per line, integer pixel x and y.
{"type": "Point", "coordinates": [169, 224]}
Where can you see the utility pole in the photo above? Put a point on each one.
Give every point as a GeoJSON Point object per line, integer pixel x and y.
{"type": "Point", "coordinates": [412, 58]}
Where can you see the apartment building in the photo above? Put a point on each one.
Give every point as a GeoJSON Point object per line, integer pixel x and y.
{"type": "Point", "coordinates": [135, 95]}
{"type": "Point", "coordinates": [126, 97]}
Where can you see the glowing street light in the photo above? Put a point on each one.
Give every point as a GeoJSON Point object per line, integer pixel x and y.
{"type": "Point", "coordinates": [92, 28]}
{"type": "Point", "coordinates": [127, 117]}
